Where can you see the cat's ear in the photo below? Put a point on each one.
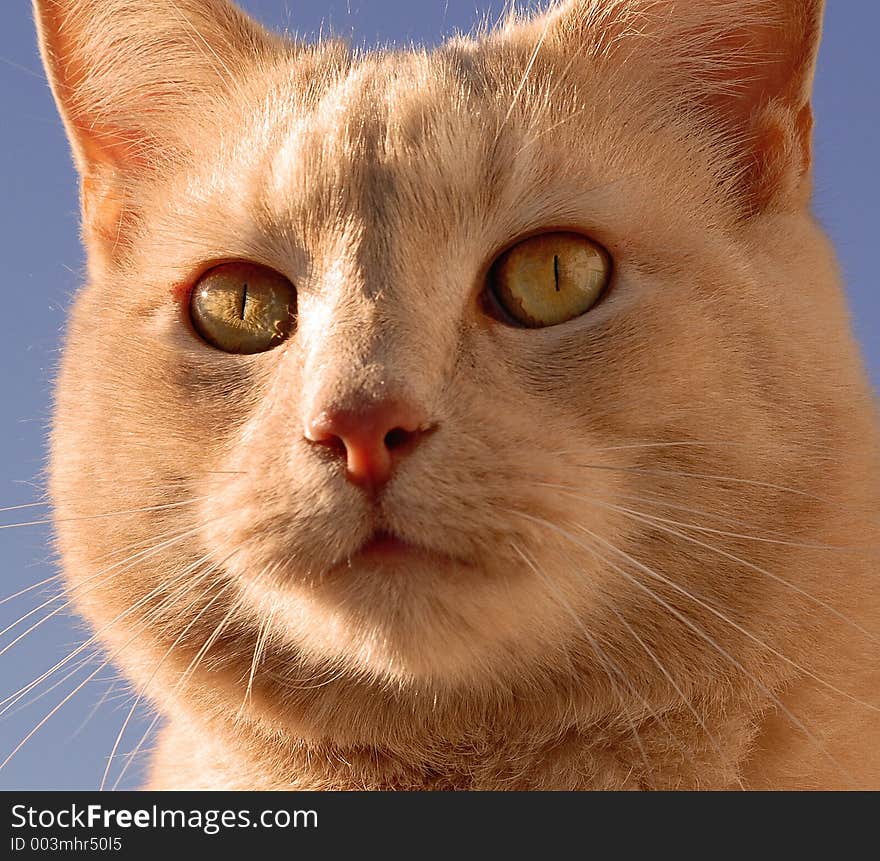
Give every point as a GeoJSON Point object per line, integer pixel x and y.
{"type": "Point", "coordinates": [748, 63]}
{"type": "Point", "coordinates": [124, 71]}
{"type": "Point", "coordinates": [127, 73]}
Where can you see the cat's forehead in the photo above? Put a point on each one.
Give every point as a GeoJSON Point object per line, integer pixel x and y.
{"type": "Point", "coordinates": [392, 152]}
{"type": "Point", "coordinates": [413, 142]}
{"type": "Point", "coordinates": [374, 127]}
{"type": "Point", "coordinates": [391, 164]}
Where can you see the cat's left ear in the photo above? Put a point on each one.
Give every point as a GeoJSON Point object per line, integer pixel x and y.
{"type": "Point", "coordinates": [132, 78]}
{"type": "Point", "coordinates": [125, 73]}
{"type": "Point", "coordinates": [748, 63]}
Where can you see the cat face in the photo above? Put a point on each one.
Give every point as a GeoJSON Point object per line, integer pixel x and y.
{"type": "Point", "coordinates": [405, 488]}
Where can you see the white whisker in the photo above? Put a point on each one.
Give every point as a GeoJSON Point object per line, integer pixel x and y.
{"type": "Point", "coordinates": [683, 619]}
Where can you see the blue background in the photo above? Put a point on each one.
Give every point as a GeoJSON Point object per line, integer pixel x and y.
{"type": "Point", "coordinates": [43, 266]}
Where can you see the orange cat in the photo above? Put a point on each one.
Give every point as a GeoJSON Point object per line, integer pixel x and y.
{"type": "Point", "coordinates": [475, 419]}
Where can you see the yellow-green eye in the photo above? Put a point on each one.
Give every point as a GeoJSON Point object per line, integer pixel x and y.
{"type": "Point", "coordinates": [243, 307]}
{"type": "Point", "coordinates": [550, 278]}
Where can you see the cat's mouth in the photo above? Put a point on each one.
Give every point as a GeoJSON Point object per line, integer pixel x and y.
{"type": "Point", "coordinates": [387, 545]}
{"type": "Point", "coordinates": [389, 549]}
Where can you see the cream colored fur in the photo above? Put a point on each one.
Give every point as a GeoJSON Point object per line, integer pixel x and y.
{"type": "Point", "coordinates": [665, 513]}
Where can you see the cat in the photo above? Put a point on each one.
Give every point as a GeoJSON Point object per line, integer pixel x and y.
{"type": "Point", "coordinates": [481, 418]}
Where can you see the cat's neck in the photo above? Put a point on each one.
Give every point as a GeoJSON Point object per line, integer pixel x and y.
{"type": "Point", "coordinates": [598, 757]}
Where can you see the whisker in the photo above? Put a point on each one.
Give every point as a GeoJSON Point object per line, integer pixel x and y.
{"type": "Point", "coordinates": [551, 128]}
{"type": "Point", "coordinates": [335, 675]}
{"type": "Point", "coordinates": [52, 520]}
{"type": "Point", "coordinates": [693, 443]}
{"type": "Point", "coordinates": [140, 556]}
{"type": "Point", "coordinates": [79, 687]}
{"type": "Point", "coordinates": [29, 589]}
{"type": "Point", "coordinates": [780, 537]}
{"type": "Point", "coordinates": [702, 634]}
{"type": "Point", "coordinates": [234, 608]}
{"type": "Point", "coordinates": [48, 717]}
{"type": "Point", "coordinates": [78, 666]}
{"type": "Point", "coordinates": [105, 697]}
{"type": "Point", "coordinates": [146, 542]}
{"type": "Point", "coordinates": [259, 648]}
{"type": "Point", "coordinates": [609, 665]}
{"type": "Point", "coordinates": [156, 590]}
{"type": "Point", "coordinates": [130, 755]}
{"type": "Point", "coordinates": [21, 68]}
{"type": "Point", "coordinates": [144, 689]}
{"type": "Point", "coordinates": [25, 505]}
{"type": "Point", "coordinates": [716, 612]}
{"type": "Point", "coordinates": [683, 619]}
{"type": "Point", "coordinates": [658, 523]}
{"type": "Point", "coordinates": [688, 704]}
{"type": "Point", "coordinates": [528, 70]}
{"type": "Point", "coordinates": [723, 478]}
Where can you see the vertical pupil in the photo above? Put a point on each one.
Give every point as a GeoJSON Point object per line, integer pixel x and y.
{"type": "Point", "coordinates": [556, 270]}
{"type": "Point", "coordinates": [244, 298]}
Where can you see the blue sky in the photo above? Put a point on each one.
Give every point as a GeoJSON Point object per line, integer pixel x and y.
{"type": "Point", "coordinates": [43, 263]}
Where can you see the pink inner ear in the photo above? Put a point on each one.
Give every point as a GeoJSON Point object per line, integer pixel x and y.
{"type": "Point", "coordinates": [766, 98]}
{"type": "Point", "coordinates": [107, 220]}
{"type": "Point", "coordinates": [749, 62]}
{"type": "Point", "coordinates": [125, 73]}
{"type": "Point", "coordinates": [94, 142]}
{"type": "Point", "coordinates": [102, 144]}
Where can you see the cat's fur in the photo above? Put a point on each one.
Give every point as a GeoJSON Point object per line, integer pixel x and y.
{"type": "Point", "coordinates": [654, 527]}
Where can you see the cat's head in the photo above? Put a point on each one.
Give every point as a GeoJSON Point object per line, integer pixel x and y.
{"type": "Point", "coordinates": [438, 378]}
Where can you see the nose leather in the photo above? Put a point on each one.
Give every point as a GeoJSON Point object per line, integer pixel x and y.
{"type": "Point", "coordinates": [372, 437]}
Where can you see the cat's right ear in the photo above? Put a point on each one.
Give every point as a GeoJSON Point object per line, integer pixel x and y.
{"type": "Point", "coordinates": [745, 67]}
{"type": "Point", "coordinates": [125, 73]}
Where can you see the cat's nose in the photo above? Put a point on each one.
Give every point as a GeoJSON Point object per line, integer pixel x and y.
{"type": "Point", "coordinates": [371, 437]}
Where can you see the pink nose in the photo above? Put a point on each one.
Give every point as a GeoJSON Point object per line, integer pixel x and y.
{"type": "Point", "coordinates": [371, 438]}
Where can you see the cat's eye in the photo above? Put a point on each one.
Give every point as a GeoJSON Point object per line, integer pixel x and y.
{"type": "Point", "coordinates": [243, 307]}
{"type": "Point", "coordinates": [550, 278]}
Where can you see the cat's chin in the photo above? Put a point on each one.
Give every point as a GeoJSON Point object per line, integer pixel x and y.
{"type": "Point", "coordinates": [397, 611]}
